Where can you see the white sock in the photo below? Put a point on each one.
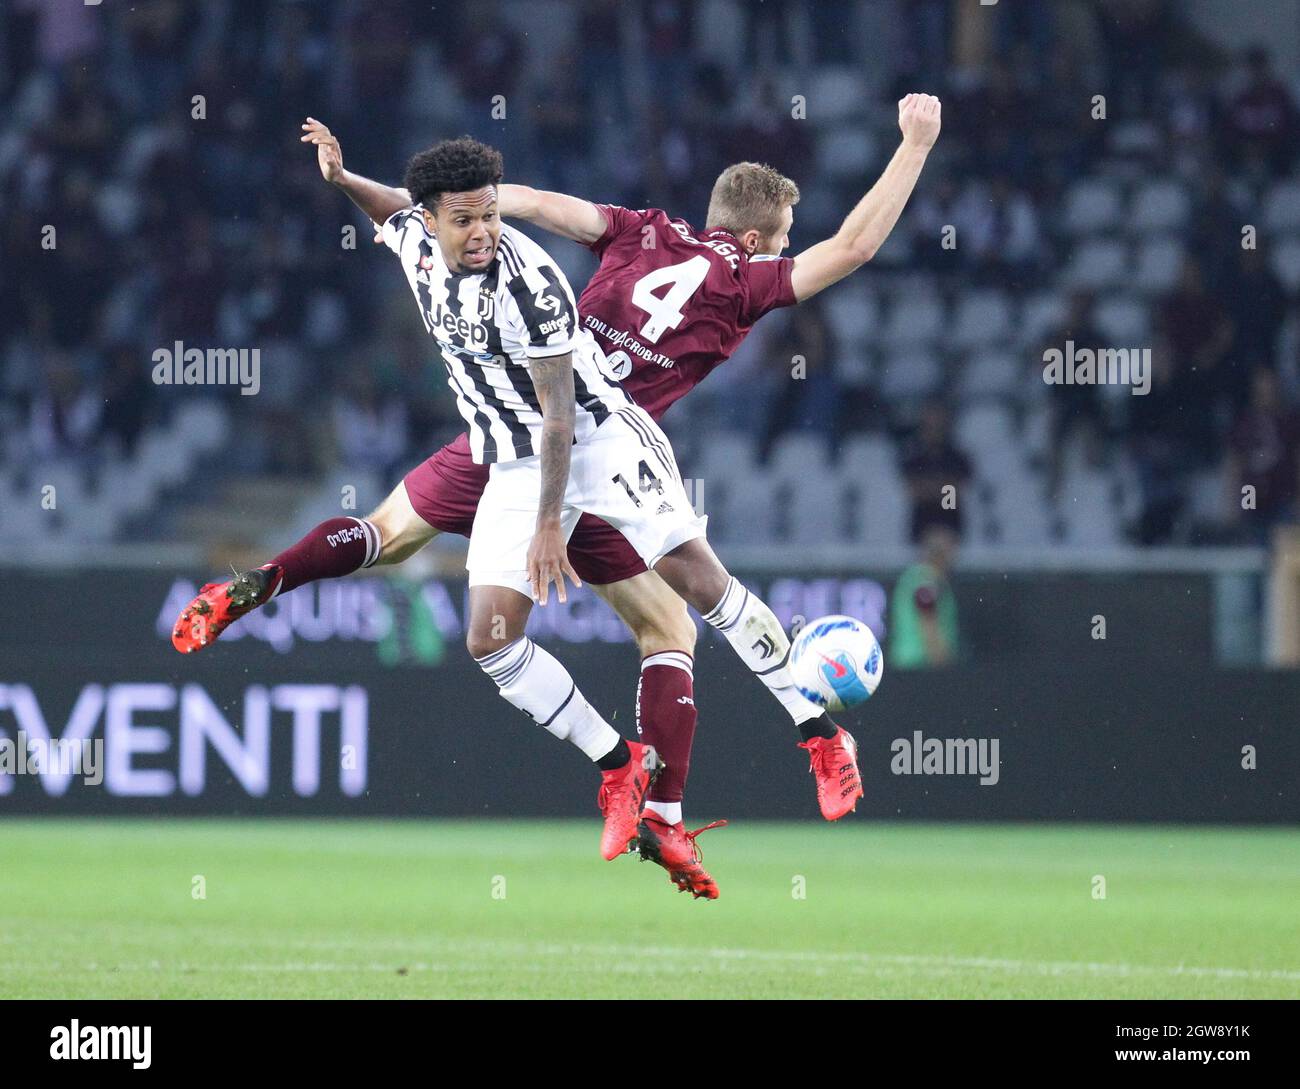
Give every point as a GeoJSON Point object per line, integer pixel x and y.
{"type": "Point", "coordinates": [537, 684]}
{"type": "Point", "coordinates": [754, 633]}
{"type": "Point", "coordinates": [670, 811]}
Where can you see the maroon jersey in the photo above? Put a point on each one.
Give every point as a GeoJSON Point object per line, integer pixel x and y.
{"type": "Point", "coordinates": [669, 304]}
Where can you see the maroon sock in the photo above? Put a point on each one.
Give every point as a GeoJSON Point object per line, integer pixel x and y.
{"type": "Point", "coordinates": [665, 713]}
{"type": "Point", "coordinates": [338, 546]}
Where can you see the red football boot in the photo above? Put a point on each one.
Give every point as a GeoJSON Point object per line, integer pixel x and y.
{"type": "Point", "coordinates": [220, 604]}
{"type": "Point", "coordinates": [621, 793]}
{"type": "Point", "coordinates": [675, 849]}
{"type": "Point", "coordinates": [834, 762]}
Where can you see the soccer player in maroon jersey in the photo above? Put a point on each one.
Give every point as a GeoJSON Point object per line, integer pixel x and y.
{"type": "Point", "coordinates": [668, 304]}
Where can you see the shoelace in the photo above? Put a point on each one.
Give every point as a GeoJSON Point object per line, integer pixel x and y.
{"type": "Point", "coordinates": [602, 797]}
{"type": "Point", "coordinates": [695, 847]}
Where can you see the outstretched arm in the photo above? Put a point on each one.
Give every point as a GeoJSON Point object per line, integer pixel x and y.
{"type": "Point", "coordinates": [869, 224]}
{"type": "Point", "coordinates": [569, 217]}
{"type": "Point", "coordinates": [376, 200]}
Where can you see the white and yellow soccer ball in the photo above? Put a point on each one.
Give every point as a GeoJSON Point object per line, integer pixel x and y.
{"type": "Point", "coordinates": [836, 662]}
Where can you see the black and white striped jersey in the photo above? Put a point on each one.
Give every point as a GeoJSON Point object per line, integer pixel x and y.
{"type": "Point", "coordinates": [489, 324]}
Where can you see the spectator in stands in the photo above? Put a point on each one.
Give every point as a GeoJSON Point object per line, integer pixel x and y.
{"type": "Point", "coordinates": [1262, 118]}
{"type": "Point", "coordinates": [1264, 453]}
{"type": "Point", "coordinates": [937, 472]}
{"type": "Point", "coordinates": [370, 426]}
{"type": "Point", "coordinates": [1215, 229]}
{"type": "Point", "coordinates": [810, 399]}
{"type": "Point", "coordinates": [66, 416]}
{"type": "Point", "coordinates": [128, 397]}
{"type": "Point", "coordinates": [923, 631]}
{"type": "Point", "coordinates": [1075, 412]}
{"type": "Point", "coordinates": [1258, 306]}
{"type": "Point", "coordinates": [1159, 448]}
{"type": "Point", "coordinates": [1001, 238]}
{"type": "Point", "coordinates": [1197, 328]}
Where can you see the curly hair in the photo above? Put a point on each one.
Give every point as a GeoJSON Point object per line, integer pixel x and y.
{"type": "Point", "coordinates": [452, 166]}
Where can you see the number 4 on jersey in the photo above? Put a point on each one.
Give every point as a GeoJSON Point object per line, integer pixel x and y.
{"type": "Point", "coordinates": [665, 312]}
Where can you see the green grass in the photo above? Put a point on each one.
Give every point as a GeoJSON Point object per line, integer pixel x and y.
{"type": "Point", "coordinates": [103, 909]}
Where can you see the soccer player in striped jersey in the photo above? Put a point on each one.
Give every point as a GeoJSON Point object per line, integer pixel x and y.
{"type": "Point", "coordinates": [751, 214]}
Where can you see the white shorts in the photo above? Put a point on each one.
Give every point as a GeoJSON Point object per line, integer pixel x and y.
{"type": "Point", "coordinates": [625, 473]}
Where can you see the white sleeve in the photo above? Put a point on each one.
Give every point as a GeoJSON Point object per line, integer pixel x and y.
{"type": "Point", "coordinates": [396, 226]}
{"type": "Point", "coordinates": [542, 303]}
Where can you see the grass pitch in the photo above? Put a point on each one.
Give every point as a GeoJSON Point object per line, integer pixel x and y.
{"type": "Point", "coordinates": [386, 909]}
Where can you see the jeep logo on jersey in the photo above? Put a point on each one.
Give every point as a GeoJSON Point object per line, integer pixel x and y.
{"type": "Point", "coordinates": [470, 332]}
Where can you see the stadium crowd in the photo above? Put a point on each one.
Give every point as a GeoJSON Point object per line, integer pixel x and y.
{"type": "Point", "coordinates": [155, 191]}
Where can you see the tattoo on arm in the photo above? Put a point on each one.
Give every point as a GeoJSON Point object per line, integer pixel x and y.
{"type": "Point", "coordinates": [553, 379]}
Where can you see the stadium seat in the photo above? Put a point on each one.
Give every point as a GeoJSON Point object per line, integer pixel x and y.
{"type": "Point", "coordinates": [728, 454]}
{"type": "Point", "coordinates": [884, 512]}
{"type": "Point", "coordinates": [991, 373]}
{"type": "Point", "coordinates": [1139, 138]}
{"type": "Point", "coordinates": [1282, 207]}
{"type": "Point", "coordinates": [836, 94]}
{"type": "Point", "coordinates": [1285, 263]}
{"type": "Point", "coordinates": [1041, 316]}
{"type": "Point", "coordinates": [1086, 510]}
{"type": "Point", "coordinates": [982, 317]}
{"type": "Point", "coordinates": [817, 507]}
{"type": "Point", "coordinates": [984, 427]}
{"type": "Point", "coordinates": [908, 376]}
{"type": "Point", "coordinates": [1159, 263]}
{"type": "Point", "coordinates": [798, 456]}
{"type": "Point", "coordinates": [203, 425]}
{"type": "Point", "coordinates": [1160, 206]}
{"type": "Point", "coordinates": [1096, 264]}
{"type": "Point", "coordinates": [868, 456]}
{"type": "Point", "coordinates": [846, 153]}
{"type": "Point", "coordinates": [1122, 320]}
{"type": "Point", "coordinates": [854, 314]}
{"type": "Point", "coordinates": [1092, 205]}
{"type": "Point", "coordinates": [913, 320]}
{"type": "Point", "coordinates": [1021, 511]}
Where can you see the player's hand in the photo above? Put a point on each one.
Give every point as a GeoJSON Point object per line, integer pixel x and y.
{"type": "Point", "coordinates": [329, 156]}
{"type": "Point", "coordinates": [548, 561]}
{"type": "Point", "coordinates": [919, 119]}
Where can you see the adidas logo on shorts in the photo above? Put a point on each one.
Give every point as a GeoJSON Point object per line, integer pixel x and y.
{"type": "Point", "coordinates": [664, 508]}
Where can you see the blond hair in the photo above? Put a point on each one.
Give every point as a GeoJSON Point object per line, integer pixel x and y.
{"type": "Point", "coordinates": [750, 196]}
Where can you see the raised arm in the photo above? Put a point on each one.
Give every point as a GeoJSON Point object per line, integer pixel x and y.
{"type": "Point", "coordinates": [570, 217]}
{"type": "Point", "coordinates": [869, 224]}
{"type": "Point", "coordinates": [548, 557]}
{"type": "Point", "coordinates": [376, 200]}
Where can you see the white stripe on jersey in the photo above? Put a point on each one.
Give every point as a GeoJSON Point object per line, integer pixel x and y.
{"type": "Point", "coordinates": [489, 324]}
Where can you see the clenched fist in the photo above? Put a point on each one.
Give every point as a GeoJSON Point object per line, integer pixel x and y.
{"type": "Point", "coordinates": [918, 117]}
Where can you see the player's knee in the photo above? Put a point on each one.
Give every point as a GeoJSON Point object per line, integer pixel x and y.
{"type": "Point", "coordinates": [482, 643]}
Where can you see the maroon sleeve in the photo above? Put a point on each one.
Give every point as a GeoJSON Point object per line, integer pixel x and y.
{"type": "Point", "coordinates": [617, 220]}
{"type": "Point", "coordinates": [769, 285]}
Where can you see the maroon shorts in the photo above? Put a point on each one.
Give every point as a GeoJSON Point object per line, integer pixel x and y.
{"type": "Point", "coordinates": [445, 492]}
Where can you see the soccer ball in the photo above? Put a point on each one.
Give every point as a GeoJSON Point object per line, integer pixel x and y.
{"type": "Point", "coordinates": [836, 662]}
